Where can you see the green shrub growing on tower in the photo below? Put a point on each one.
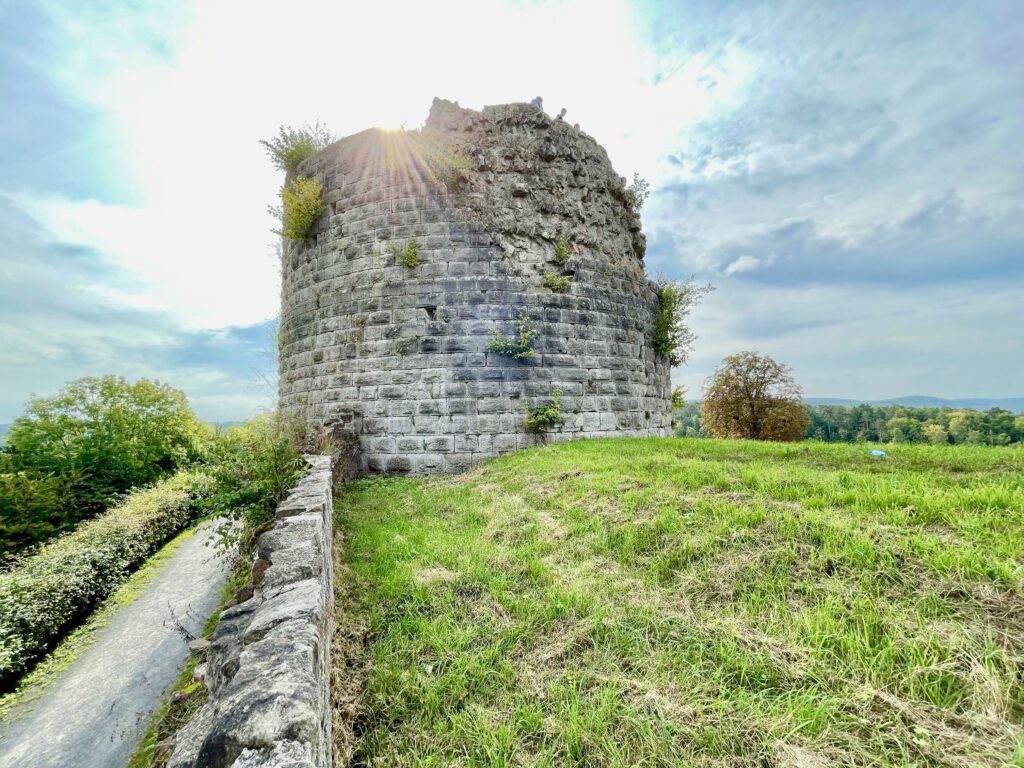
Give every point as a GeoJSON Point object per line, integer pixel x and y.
{"type": "Point", "coordinates": [562, 251]}
{"type": "Point", "coordinates": [557, 283]}
{"type": "Point", "coordinates": [302, 204]}
{"type": "Point", "coordinates": [542, 417]}
{"type": "Point", "coordinates": [673, 339]}
{"type": "Point", "coordinates": [519, 346]}
{"type": "Point", "coordinates": [408, 256]}
{"type": "Point", "coordinates": [293, 145]}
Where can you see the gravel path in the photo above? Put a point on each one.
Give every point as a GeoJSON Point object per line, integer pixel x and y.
{"type": "Point", "coordinates": [96, 712]}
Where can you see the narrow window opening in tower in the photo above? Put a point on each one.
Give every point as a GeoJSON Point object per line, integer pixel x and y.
{"type": "Point", "coordinates": [431, 313]}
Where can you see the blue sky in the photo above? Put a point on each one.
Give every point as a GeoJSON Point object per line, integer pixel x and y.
{"type": "Point", "coordinates": [848, 175]}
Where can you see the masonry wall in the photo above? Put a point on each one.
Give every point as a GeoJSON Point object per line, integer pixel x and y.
{"type": "Point", "coordinates": [267, 667]}
{"type": "Point", "coordinates": [398, 355]}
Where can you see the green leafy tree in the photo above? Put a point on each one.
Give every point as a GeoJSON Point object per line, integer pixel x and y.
{"type": "Point", "coordinates": [899, 423]}
{"type": "Point", "coordinates": [935, 434]}
{"type": "Point", "coordinates": [252, 466]}
{"type": "Point", "coordinates": [103, 436]}
{"type": "Point", "coordinates": [686, 420]}
{"type": "Point", "coordinates": [903, 429]}
{"type": "Point", "coordinates": [31, 509]}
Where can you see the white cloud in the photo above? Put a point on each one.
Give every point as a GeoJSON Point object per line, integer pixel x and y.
{"type": "Point", "coordinates": [197, 238]}
{"type": "Point", "coordinates": [742, 264]}
{"type": "Point", "coordinates": [180, 259]}
{"type": "Point", "coordinates": [873, 344]}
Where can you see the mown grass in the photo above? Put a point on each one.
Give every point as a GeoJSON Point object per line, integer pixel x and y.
{"type": "Point", "coordinates": [690, 602]}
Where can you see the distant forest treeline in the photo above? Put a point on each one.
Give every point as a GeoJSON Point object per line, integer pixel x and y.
{"type": "Point", "coordinates": [891, 424]}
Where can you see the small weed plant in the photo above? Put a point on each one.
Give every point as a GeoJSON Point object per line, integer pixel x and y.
{"type": "Point", "coordinates": [302, 204]}
{"type": "Point", "coordinates": [562, 251]}
{"type": "Point", "coordinates": [407, 256]}
{"type": "Point", "coordinates": [543, 417]}
{"type": "Point", "coordinates": [293, 145]}
{"type": "Point", "coordinates": [556, 283]}
{"type": "Point", "coordinates": [678, 396]}
{"type": "Point", "coordinates": [519, 346]}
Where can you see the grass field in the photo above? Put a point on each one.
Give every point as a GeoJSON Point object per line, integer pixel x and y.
{"type": "Point", "coordinates": [687, 602]}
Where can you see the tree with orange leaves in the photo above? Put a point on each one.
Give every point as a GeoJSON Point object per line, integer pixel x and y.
{"type": "Point", "coordinates": [752, 396]}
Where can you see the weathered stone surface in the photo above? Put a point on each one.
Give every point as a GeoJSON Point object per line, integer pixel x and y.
{"type": "Point", "coordinates": [267, 665]}
{"type": "Point", "coordinates": [398, 355]}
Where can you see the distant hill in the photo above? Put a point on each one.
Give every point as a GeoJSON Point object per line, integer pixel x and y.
{"type": "Point", "coordinates": [3, 430]}
{"type": "Point", "coordinates": [1012, 404]}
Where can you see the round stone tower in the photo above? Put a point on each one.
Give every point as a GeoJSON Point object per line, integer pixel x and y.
{"type": "Point", "coordinates": [461, 276]}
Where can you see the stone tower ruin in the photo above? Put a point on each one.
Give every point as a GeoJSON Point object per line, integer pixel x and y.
{"type": "Point", "coordinates": [520, 231]}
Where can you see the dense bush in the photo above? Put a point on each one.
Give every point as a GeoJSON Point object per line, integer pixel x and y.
{"type": "Point", "coordinates": [293, 145]}
{"type": "Point", "coordinates": [97, 438]}
{"type": "Point", "coordinates": [252, 468]}
{"type": "Point", "coordinates": [302, 204]}
{"type": "Point", "coordinates": [31, 509]}
{"type": "Point", "coordinates": [42, 595]}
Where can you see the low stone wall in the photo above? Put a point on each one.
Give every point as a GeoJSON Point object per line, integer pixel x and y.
{"type": "Point", "coordinates": [268, 662]}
